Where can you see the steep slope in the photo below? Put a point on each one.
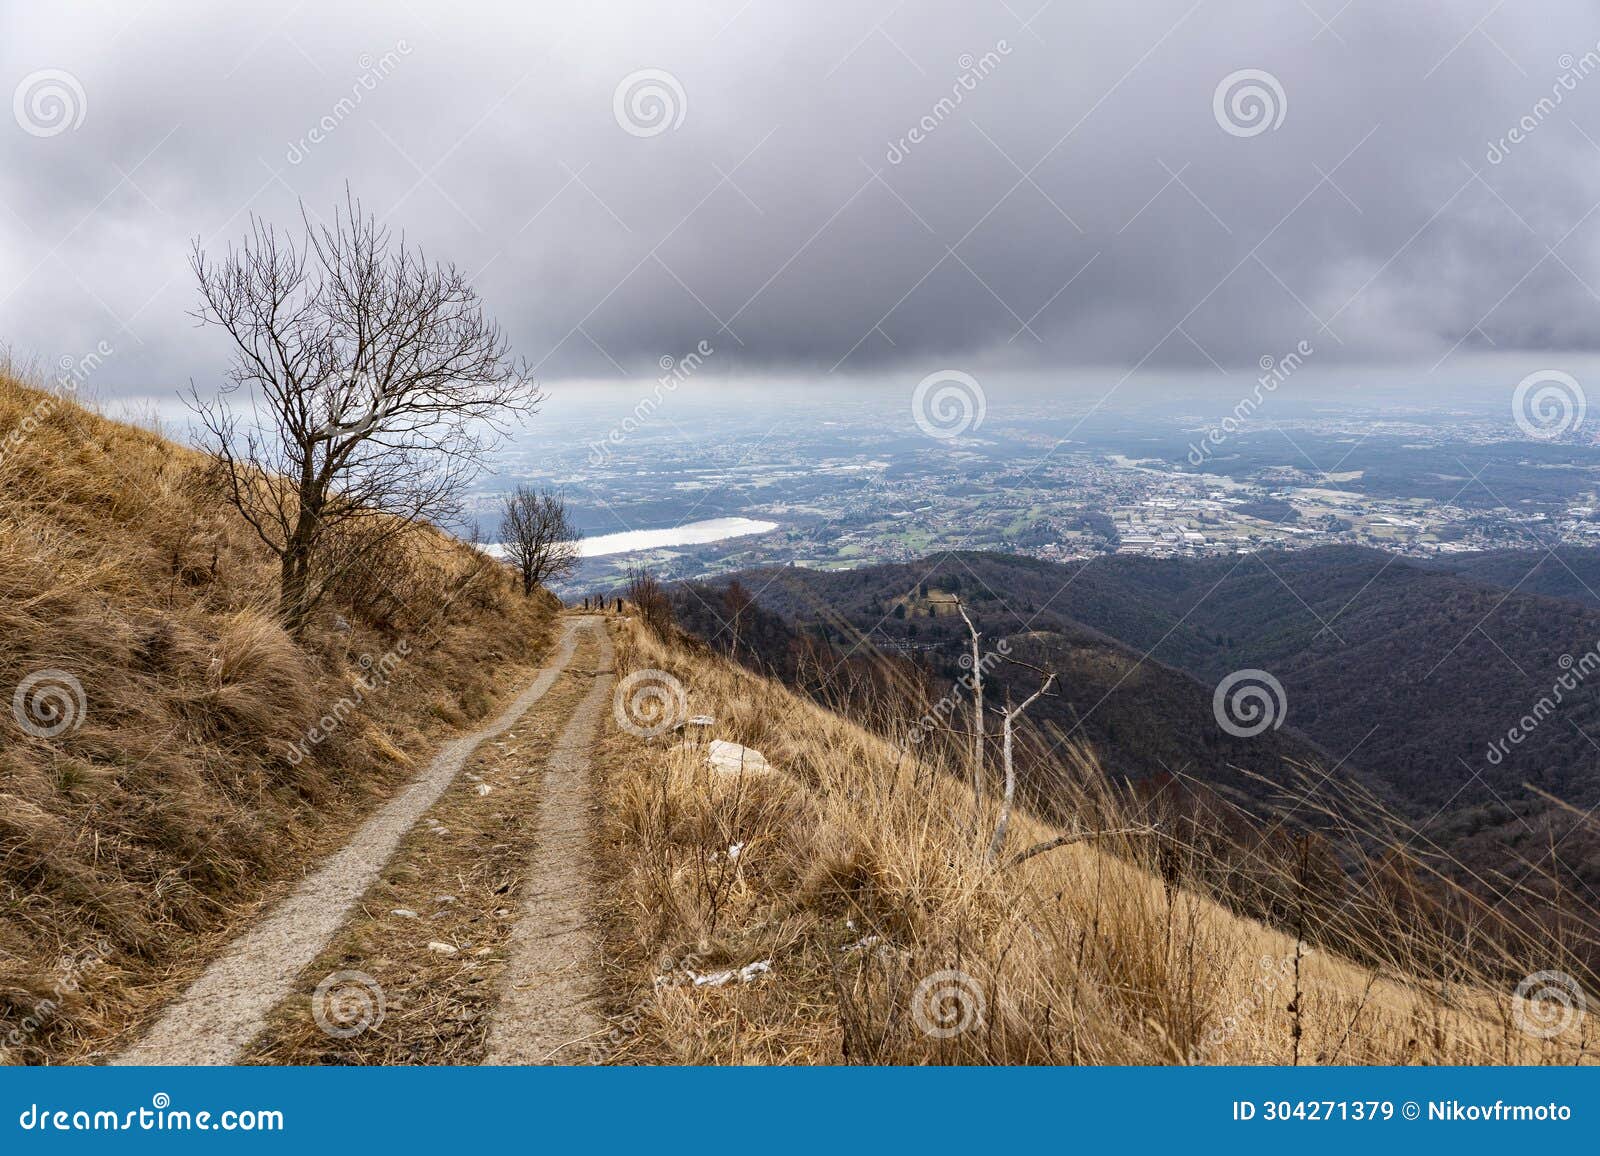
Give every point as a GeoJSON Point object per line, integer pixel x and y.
{"type": "Point", "coordinates": [1456, 701]}
{"type": "Point", "coordinates": [170, 758]}
{"type": "Point", "coordinates": [841, 907]}
{"type": "Point", "coordinates": [1145, 718]}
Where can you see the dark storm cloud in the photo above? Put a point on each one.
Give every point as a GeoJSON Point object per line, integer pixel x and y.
{"type": "Point", "coordinates": [838, 187]}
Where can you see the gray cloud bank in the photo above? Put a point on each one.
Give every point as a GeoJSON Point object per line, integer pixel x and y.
{"type": "Point", "coordinates": [836, 188]}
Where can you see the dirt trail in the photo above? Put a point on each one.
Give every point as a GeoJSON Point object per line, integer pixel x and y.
{"type": "Point", "coordinates": [223, 1009]}
{"type": "Point", "coordinates": [546, 1012]}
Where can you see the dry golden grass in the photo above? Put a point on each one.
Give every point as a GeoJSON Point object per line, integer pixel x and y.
{"type": "Point", "coordinates": [136, 840]}
{"type": "Point", "coordinates": [861, 879]}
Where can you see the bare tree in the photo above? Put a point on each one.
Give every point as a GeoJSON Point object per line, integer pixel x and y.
{"type": "Point", "coordinates": [977, 717]}
{"type": "Point", "coordinates": [376, 391]}
{"type": "Point", "coordinates": [739, 601]}
{"type": "Point", "coordinates": [650, 599]}
{"type": "Point", "coordinates": [1007, 728]}
{"type": "Point", "coordinates": [538, 537]}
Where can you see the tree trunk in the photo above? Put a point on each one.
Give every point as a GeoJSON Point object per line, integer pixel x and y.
{"type": "Point", "coordinates": [977, 724]}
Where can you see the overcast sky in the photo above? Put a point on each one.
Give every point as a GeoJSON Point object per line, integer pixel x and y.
{"type": "Point", "coordinates": [1083, 191]}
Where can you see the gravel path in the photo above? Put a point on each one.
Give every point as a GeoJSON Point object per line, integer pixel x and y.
{"type": "Point", "coordinates": [223, 1009]}
{"type": "Point", "coordinates": [546, 1012]}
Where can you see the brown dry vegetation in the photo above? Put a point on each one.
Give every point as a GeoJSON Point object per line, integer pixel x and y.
{"type": "Point", "coordinates": [861, 879]}
{"type": "Point", "coordinates": [137, 839]}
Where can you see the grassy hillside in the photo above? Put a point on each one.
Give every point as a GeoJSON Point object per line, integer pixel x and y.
{"type": "Point", "coordinates": [840, 909]}
{"type": "Point", "coordinates": [168, 755]}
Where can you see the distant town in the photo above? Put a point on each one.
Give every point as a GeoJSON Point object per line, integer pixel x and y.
{"type": "Point", "coordinates": [845, 490]}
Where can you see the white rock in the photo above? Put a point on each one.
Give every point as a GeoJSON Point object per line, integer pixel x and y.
{"type": "Point", "coordinates": [404, 913]}
{"type": "Point", "coordinates": [744, 974]}
{"type": "Point", "coordinates": [442, 948]}
{"type": "Point", "coordinates": [484, 789]}
{"type": "Point", "coordinates": [734, 851]}
{"type": "Point", "coordinates": [735, 759]}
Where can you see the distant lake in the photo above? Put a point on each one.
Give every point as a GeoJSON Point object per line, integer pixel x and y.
{"type": "Point", "coordinates": [689, 534]}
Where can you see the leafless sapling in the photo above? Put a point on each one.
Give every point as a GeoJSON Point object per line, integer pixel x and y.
{"type": "Point", "coordinates": [1007, 729]}
{"type": "Point", "coordinates": [538, 536]}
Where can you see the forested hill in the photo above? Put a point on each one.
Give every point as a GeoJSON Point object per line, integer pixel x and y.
{"type": "Point", "coordinates": [1414, 680]}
